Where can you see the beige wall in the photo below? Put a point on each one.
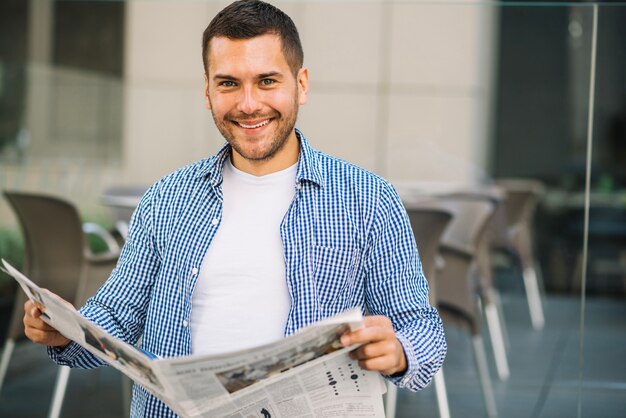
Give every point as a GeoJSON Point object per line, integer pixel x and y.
{"type": "Point", "coordinates": [165, 123]}
{"type": "Point", "coordinates": [401, 89]}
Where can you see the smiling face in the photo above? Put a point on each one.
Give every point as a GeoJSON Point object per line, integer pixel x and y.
{"type": "Point", "coordinates": [254, 98]}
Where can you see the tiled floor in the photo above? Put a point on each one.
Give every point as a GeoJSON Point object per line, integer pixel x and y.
{"type": "Point", "coordinates": [545, 372]}
{"type": "Point", "coordinates": [544, 365]}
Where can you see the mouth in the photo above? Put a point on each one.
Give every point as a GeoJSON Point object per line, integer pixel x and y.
{"type": "Point", "coordinates": [252, 124]}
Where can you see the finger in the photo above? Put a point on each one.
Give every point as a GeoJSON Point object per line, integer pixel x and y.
{"type": "Point", "coordinates": [387, 364]}
{"type": "Point", "coordinates": [39, 335]}
{"type": "Point", "coordinates": [36, 323]}
{"type": "Point", "coordinates": [376, 320]}
{"type": "Point", "coordinates": [381, 348]}
{"type": "Point", "coordinates": [29, 308]}
{"type": "Point", "coordinates": [38, 331]}
{"type": "Point", "coordinates": [376, 327]}
{"type": "Point", "coordinates": [39, 326]}
{"type": "Point", "coordinates": [382, 364]}
{"type": "Point", "coordinates": [50, 338]}
{"type": "Point", "coordinates": [32, 309]}
{"type": "Point", "coordinates": [368, 334]}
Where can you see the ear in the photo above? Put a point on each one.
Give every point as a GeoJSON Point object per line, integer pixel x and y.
{"type": "Point", "coordinates": [207, 101]}
{"type": "Point", "coordinates": [303, 85]}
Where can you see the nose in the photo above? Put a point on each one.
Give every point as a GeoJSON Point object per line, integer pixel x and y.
{"type": "Point", "coordinates": [249, 102]}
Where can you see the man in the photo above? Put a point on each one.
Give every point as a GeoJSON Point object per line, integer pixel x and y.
{"type": "Point", "coordinates": [265, 237]}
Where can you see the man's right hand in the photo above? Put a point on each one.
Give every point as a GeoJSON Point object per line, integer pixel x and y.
{"type": "Point", "coordinates": [38, 331]}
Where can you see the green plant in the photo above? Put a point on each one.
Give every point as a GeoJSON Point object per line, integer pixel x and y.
{"type": "Point", "coordinates": [95, 243]}
{"type": "Point", "coordinates": [12, 250]}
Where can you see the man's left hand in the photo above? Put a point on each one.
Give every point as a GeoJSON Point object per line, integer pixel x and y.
{"type": "Point", "coordinates": [381, 351]}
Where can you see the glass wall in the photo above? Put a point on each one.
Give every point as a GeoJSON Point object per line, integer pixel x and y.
{"type": "Point", "coordinates": [433, 95]}
{"type": "Point", "coordinates": [604, 282]}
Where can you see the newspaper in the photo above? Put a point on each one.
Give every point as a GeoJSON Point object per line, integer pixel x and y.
{"type": "Point", "coordinates": [308, 374]}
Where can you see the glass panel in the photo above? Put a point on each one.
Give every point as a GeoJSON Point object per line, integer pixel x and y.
{"type": "Point", "coordinates": [604, 382]}
{"type": "Point", "coordinates": [438, 97]}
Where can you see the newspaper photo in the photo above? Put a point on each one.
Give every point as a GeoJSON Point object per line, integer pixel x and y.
{"type": "Point", "coordinates": [308, 374]}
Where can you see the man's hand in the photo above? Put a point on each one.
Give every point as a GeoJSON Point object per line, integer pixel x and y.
{"type": "Point", "coordinates": [381, 350]}
{"type": "Point", "coordinates": [38, 331]}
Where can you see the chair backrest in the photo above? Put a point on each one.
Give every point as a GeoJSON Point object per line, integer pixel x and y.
{"type": "Point", "coordinates": [428, 226]}
{"type": "Point", "coordinates": [493, 234]}
{"type": "Point", "coordinates": [456, 281]}
{"type": "Point", "coordinates": [54, 241]}
{"type": "Point", "coordinates": [469, 221]}
{"type": "Point", "coordinates": [522, 198]}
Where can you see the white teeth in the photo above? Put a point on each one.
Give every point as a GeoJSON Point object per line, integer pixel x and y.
{"type": "Point", "coordinates": [243, 125]}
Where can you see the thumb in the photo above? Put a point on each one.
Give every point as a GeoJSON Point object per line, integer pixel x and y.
{"type": "Point", "coordinates": [35, 311]}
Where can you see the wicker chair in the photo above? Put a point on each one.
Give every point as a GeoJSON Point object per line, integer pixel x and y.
{"type": "Point", "coordinates": [57, 257]}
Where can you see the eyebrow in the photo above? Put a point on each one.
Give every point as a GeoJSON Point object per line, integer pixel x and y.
{"type": "Point", "coordinates": [224, 77]}
{"type": "Point", "coordinates": [270, 74]}
{"type": "Point", "coordinates": [260, 76]}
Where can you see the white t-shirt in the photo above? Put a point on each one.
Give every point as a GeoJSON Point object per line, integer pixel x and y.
{"type": "Point", "coordinates": [241, 299]}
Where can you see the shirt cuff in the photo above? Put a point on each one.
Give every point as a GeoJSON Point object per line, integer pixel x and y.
{"type": "Point", "coordinates": [64, 356]}
{"type": "Point", "coordinates": [403, 379]}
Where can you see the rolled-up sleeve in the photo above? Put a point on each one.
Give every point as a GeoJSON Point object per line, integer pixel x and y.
{"type": "Point", "coordinates": [396, 288]}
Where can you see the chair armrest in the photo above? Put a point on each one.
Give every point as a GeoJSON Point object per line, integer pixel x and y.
{"type": "Point", "coordinates": [103, 234]}
{"type": "Point", "coordinates": [122, 228]}
{"type": "Point", "coordinates": [457, 249]}
{"type": "Point", "coordinates": [109, 257]}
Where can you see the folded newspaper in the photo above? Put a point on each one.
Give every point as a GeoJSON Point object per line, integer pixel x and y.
{"type": "Point", "coordinates": [308, 374]}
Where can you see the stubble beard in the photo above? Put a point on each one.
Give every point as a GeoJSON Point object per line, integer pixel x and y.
{"type": "Point", "coordinates": [285, 127]}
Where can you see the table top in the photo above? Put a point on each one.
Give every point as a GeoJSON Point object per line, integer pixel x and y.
{"type": "Point", "coordinates": [120, 201]}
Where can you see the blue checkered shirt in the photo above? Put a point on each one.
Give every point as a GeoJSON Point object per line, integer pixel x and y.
{"type": "Point", "coordinates": [347, 243]}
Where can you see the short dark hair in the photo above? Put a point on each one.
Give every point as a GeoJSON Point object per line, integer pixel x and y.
{"type": "Point", "coordinates": [245, 19]}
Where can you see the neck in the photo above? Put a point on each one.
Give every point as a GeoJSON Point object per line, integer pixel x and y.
{"type": "Point", "coordinates": [282, 159]}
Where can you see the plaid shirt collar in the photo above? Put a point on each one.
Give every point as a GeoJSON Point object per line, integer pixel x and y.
{"type": "Point", "coordinates": [308, 165]}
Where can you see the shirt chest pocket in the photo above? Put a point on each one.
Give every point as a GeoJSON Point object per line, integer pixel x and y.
{"type": "Point", "coordinates": [334, 272]}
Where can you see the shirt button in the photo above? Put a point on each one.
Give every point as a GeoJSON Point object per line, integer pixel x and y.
{"type": "Point", "coordinates": [185, 323]}
{"type": "Point", "coordinates": [214, 221]}
{"type": "Point", "coordinates": [194, 270]}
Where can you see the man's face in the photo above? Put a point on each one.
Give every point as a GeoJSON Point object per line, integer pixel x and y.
{"type": "Point", "coordinates": [253, 95]}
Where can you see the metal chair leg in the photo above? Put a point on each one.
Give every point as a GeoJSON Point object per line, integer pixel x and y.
{"type": "Point", "coordinates": [6, 356]}
{"type": "Point", "coordinates": [442, 395]}
{"type": "Point", "coordinates": [59, 392]}
{"type": "Point", "coordinates": [391, 400]}
{"type": "Point", "coordinates": [497, 340]}
{"type": "Point", "coordinates": [540, 282]}
{"type": "Point", "coordinates": [483, 374]}
{"type": "Point", "coordinates": [534, 298]}
{"type": "Point", "coordinates": [497, 300]}
{"type": "Point", "coordinates": [440, 391]}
